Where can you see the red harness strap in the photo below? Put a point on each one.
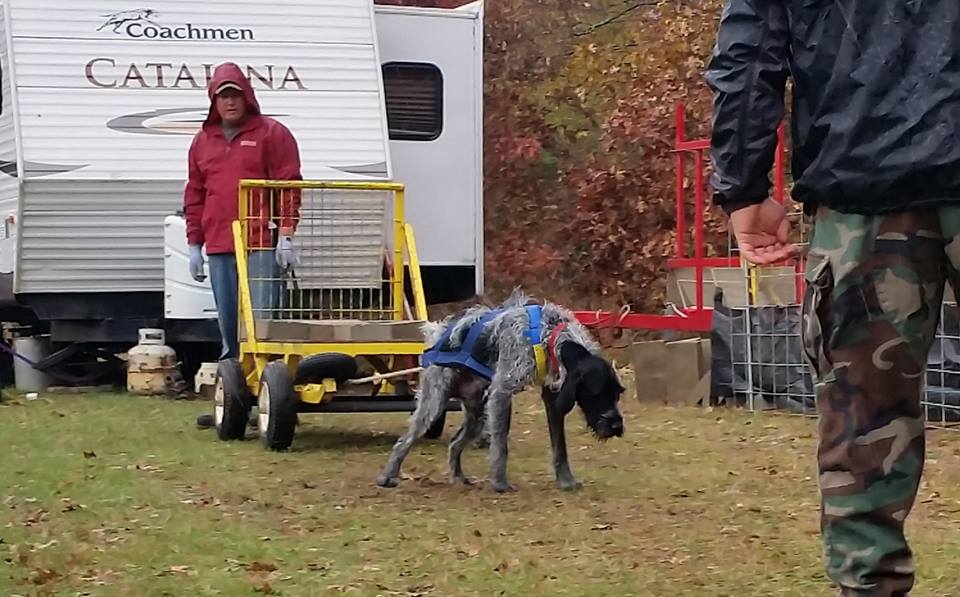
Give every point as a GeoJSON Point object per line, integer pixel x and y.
{"type": "Point", "coordinates": [552, 347]}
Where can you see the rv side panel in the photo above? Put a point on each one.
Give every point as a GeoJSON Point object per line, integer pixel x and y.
{"type": "Point", "coordinates": [111, 96]}
{"type": "Point", "coordinates": [94, 236]}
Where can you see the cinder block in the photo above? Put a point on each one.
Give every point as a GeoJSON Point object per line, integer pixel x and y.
{"type": "Point", "coordinates": [676, 372]}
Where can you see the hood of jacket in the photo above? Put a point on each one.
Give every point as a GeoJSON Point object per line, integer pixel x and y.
{"type": "Point", "coordinates": [229, 72]}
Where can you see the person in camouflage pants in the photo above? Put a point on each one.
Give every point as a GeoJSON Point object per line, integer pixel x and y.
{"type": "Point", "coordinates": [875, 160]}
{"type": "Point", "coordinates": [874, 289]}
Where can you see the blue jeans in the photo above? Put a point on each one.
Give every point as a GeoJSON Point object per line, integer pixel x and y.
{"type": "Point", "coordinates": [265, 290]}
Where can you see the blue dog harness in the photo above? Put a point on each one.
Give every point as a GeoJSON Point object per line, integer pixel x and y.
{"type": "Point", "coordinates": [474, 355]}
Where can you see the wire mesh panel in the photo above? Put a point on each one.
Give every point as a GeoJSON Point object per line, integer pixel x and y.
{"type": "Point", "coordinates": [320, 253]}
{"type": "Point", "coordinates": [766, 365]}
{"type": "Point", "coordinates": [941, 401]}
{"type": "Point", "coordinates": [759, 362]}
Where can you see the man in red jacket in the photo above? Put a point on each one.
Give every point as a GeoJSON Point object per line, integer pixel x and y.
{"type": "Point", "coordinates": [235, 142]}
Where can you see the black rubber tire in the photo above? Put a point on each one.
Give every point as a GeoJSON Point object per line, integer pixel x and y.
{"type": "Point", "coordinates": [237, 400]}
{"type": "Point", "coordinates": [435, 430]}
{"type": "Point", "coordinates": [329, 365]}
{"type": "Point", "coordinates": [280, 403]}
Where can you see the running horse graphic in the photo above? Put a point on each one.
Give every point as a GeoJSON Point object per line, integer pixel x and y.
{"type": "Point", "coordinates": [119, 19]}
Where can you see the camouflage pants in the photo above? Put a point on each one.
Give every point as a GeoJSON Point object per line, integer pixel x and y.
{"type": "Point", "coordinates": [874, 290]}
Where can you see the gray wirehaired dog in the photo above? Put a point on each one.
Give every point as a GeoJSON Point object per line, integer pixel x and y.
{"type": "Point", "coordinates": [485, 357]}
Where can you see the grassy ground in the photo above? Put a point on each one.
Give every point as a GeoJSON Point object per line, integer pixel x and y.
{"type": "Point", "coordinates": [119, 495]}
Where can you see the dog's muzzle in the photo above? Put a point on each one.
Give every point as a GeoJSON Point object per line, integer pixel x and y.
{"type": "Point", "coordinates": [610, 424]}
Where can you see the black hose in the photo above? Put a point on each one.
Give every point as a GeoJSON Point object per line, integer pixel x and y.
{"type": "Point", "coordinates": [63, 377]}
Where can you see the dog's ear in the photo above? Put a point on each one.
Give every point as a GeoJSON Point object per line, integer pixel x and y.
{"type": "Point", "coordinates": [572, 353]}
{"type": "Point", "coordinates": [616, 376]}
{"type": "Point", "coordinates": [568, 392]}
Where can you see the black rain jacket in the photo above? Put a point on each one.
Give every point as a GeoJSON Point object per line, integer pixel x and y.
{"type": "Point", "coordinates": [876, 102]}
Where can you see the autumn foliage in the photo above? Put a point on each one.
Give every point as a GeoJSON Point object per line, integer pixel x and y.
{"type": "Point", "coordinates": [579, 134]}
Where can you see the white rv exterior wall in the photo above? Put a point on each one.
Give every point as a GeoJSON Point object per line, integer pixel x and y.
{"type": "Point", "coordinates": [9, 183]}
{"type": "Point", "coordinates": [443, 176]}
{"type": "Point", "coordinates": [105, 143]}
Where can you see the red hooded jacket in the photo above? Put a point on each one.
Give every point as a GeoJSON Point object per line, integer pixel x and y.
{"type": "Point", "coordinates": [262, 149]}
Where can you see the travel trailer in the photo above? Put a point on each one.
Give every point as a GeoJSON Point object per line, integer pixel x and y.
{"type": "Point", "coordinates": [101, 99]}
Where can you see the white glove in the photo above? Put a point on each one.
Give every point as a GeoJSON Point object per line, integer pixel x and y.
{"type": "Point", "coordinates": [286, 256]}
{"type": "Point", "coordinates": [196, 263]}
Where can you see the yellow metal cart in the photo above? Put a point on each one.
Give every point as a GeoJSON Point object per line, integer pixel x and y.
{"type": "Point", "coordinates": [337, 332]}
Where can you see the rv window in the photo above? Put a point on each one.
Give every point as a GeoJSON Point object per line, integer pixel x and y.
{"type": "Point", "coordinates": [414, 93]}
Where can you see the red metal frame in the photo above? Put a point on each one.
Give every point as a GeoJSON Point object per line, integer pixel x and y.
{"type": "Point", "coordinates": [690, 321]}
{"type": "Point", "coordinates": [697, 318]}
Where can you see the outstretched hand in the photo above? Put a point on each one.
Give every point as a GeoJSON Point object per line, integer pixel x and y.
{"type": "Point", "coordinates": [763, 233]}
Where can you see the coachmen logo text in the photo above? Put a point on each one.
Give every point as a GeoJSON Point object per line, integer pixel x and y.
{"type": "Point", "coordinates": [141, 23]}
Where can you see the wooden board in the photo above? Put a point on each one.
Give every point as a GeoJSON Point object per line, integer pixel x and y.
{"type": "Point", "coordinates": [272, 330]}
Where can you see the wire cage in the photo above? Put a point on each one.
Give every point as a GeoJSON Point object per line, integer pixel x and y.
{"type": "Point", "coordinates": [767, 369]}
{"type": "Point", "coordinates": [758, 357]}
{"type": "Point", "coordinates": [348, 241]}
{"type": "Point", "coordinates": [941, 400]}
{"type": "Point", "coordinates": [754, 322]}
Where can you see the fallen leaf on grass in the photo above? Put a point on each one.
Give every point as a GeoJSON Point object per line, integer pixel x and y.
{"type": "Point", "coordinates": [17, 555]}
{"type": "Point", "coordinates": [34, 518]}
{"type": "Point", "coordinates": [262, 586]}
{"type": "Point", "coordinates": [184, 570]}
{"type": "Point", "coordinates": [234, 564]}
{"type": "Point", "coordinates": [70, 506]}
{"type": "Point", "coordinates": [261, 567]}
{"type": "Point", "coordinates": [41, 576]}
{"type": "Point", "coordinates": [98, 577]}
{"type": "Point", "coordinates": [601, 527]}
{"type": "Point", "coordinates": [462, 555]}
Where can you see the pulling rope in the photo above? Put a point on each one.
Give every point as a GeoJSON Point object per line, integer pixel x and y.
{"type": "Point", "coordinates": [610, 321]}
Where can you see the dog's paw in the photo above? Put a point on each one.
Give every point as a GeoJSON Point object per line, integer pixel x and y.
{"type": "Point", "coordinates": [387, 482]}
{"type": "Point", "coordinates": [570, 485]}
{"type": "Point", "coordinates": [461, 480]}
{"type": "Point", "coordinates": [502, 487]}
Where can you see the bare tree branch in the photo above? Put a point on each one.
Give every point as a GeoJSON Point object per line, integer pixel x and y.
{"type": "Point", "coordinates": [615, 17]}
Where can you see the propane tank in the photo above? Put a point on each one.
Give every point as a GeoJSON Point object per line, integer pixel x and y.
{"type": "Point", "coordinates": [151, 364]}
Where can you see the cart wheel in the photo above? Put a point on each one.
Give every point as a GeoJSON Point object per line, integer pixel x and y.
{"type": "Point", "coordinates": [277, 407]}
{"type": "Point", "coordinates": [232, 401]}
{"type": "Point", "coordinates": [435, 430]}
{"type": "Point", "coordinates": [330, 365]}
